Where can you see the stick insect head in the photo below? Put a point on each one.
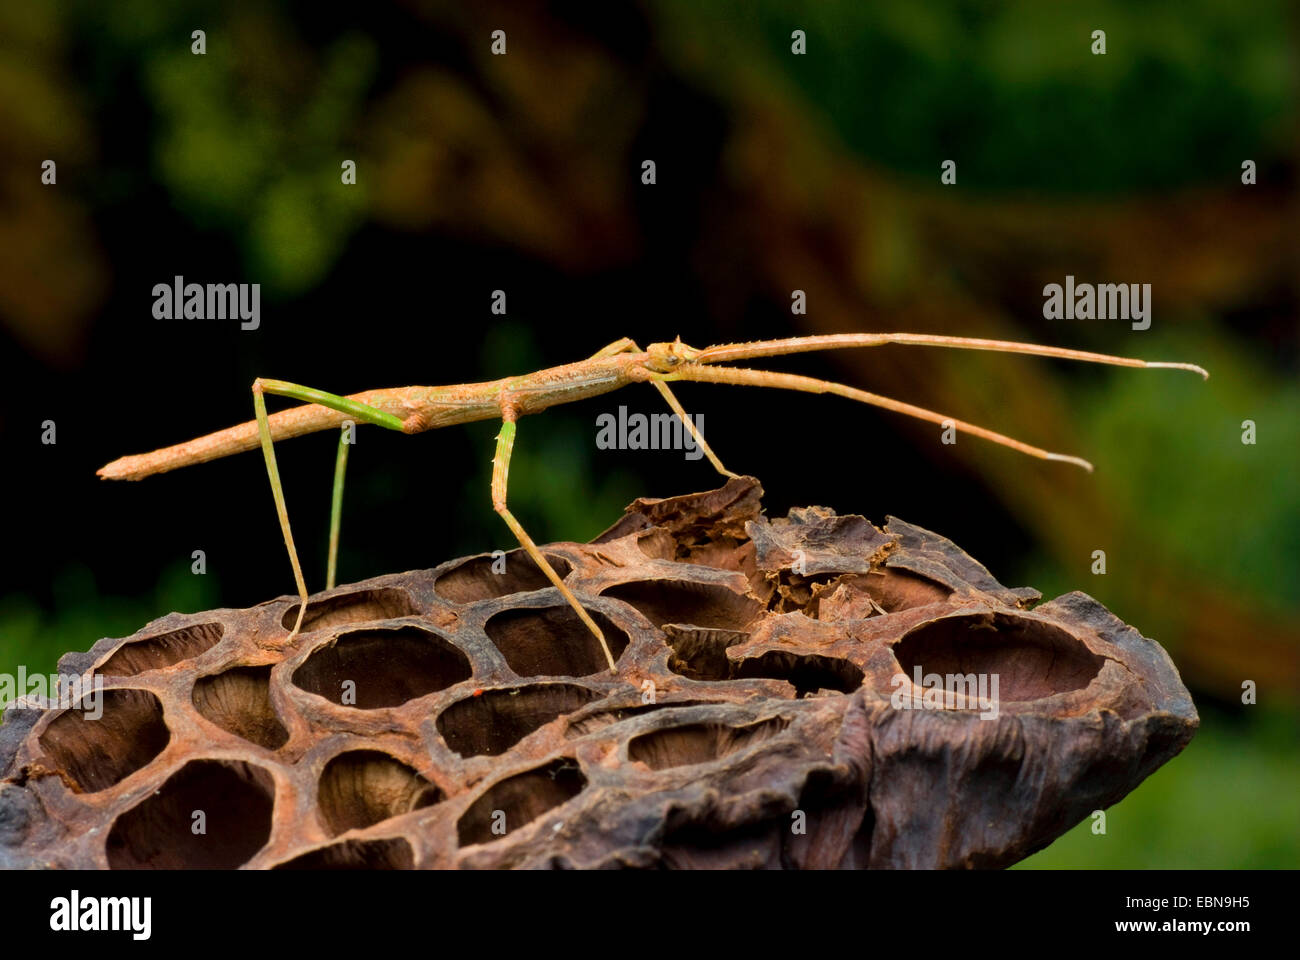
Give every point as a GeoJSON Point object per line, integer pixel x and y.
{"type": "Point", "coordinates": [668, 357]}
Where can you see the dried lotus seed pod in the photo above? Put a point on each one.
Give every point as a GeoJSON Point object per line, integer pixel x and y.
{"type": "Point", "coordinates": [812, 691]}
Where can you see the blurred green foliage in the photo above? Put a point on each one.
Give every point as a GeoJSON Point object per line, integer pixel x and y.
{"type": "Point", "coordinates": [35, 638]}
{"type": "Point", "coordinates": [1174, 456]}
{"type": "Point", "coordinates": [247, 142]}
{"type": "Point", "coordinates": [1226, 511]}
{"type": "Point", "coordinates": [1231, 799]}
{"type": "Point", "coordinates": [249, 138]}
{"type": "Point", "coordinates": [1185, 90]}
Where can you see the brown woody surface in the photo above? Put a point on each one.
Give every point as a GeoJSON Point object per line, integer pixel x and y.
{"type": "Point", "coordinates": [481, 702]}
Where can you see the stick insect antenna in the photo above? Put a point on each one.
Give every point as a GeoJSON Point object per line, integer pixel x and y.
{"type": "Point", "coordinates": [835, 341]}
{"type": "Point", "coordinates": [790, 381]}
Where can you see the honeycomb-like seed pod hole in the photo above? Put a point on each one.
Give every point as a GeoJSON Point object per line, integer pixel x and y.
{"type": "Point", "coordinates": [687, 602]}
{"type": "Point", "coordinates": [519, 800]}
{"type": "Point", "coordinates": [239, 702]}
{"type": "Point", "coordinates": [97, 753]}
{"type": "Point", "coordinates": [859, 595]}
{"type": "Point", "coordinates": [701, 654]}
{"type": "Point", "coordinates": [897, 590]}
{"type": "Point", "coordinates": [495, 720]}
{"type": "Point", "coordinates": [607, 718]}
{"type": "Point", "coordinates": [387, 854]}
{"type": "Point", "coordinates": [806, 673]}
{"type": "Point", "coordinates": [385, 668]}
{"type": "Point", "coordinates": [164, 650]}
{"type": "Point", "coordinates": [1030, 658]}
{"type": "Point", "coordinates": [360, 606]}
{"type": "Point", "coordinates": [698, 742]}
{"type": "Point", "coordinates": [552, 641]}
{"type": "Point", "coordinates": [363, 787]}
{"type": "Point", "coordinates": [210, 814]}
{"type": "Point", "coordinates": [479, 579]}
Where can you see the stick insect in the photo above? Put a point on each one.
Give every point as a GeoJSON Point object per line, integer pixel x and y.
{"type": "Point", "coordinates": [416, 409]}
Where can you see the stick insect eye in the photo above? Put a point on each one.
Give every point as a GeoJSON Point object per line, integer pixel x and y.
{"type": "Point", "coordinates": [663, 357]}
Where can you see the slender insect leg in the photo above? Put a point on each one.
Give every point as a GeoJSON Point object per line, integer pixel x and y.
{"type": "Point", "coordinates": [277, 491]}
{"type": "Point", "coordinates": [336, 505]}
{"type": "Point", "coordinates": [359, 410]}
{"type": "Point", "coordinates": [690, 426]}
{"type": "Point", "coordinates": [621, 345]}
{"type": "Point", "coordinates": [789, 381]}
{"type": "Point", "coordinates": [500, 483]}
{"type": "Point", "coordinates": [627, 344]}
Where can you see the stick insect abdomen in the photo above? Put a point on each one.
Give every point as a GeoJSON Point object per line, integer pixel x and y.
{"type": "Point", "coordinates": [402, 402]}
{"type": "Point", "coordinates": [419, 408]}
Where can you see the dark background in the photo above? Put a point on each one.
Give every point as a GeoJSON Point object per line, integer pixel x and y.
{"type": "Point", "coordinates": [775, 172]}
